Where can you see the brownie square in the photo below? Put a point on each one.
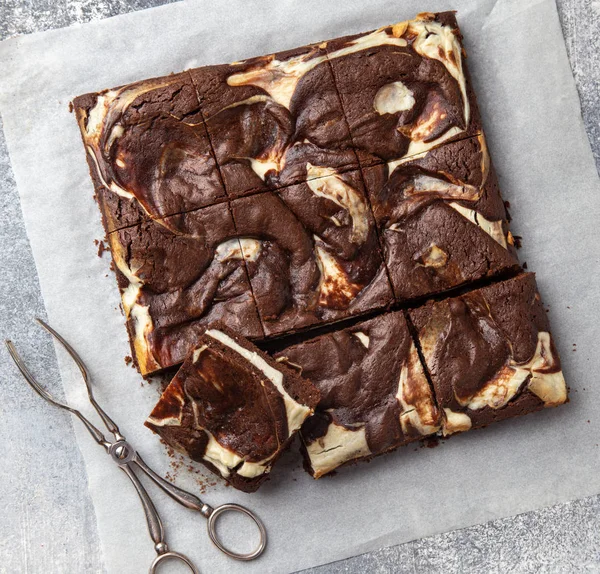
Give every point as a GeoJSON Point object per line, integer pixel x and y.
{"type": "Point", "coordinates": [232, 408]}
{"type": "Point", "coordinates": [374, 393]}
{"type": "Point", "coordinates": [148, 151]}
{"type": "Point", "coordinates": [441, 219]}
{"type": "Point", "coordinates": [315, 256]}
{"type": "Point", "coordinates": [404, 88]}
{"type": "Point", "coordinates": [490, 354]}
{"type": "Point", "coordinates": [268, 117]}
{"type": "Point", "coordinates": [177, 275]}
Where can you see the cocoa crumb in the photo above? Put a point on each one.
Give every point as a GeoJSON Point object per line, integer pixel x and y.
{"type": "Point", "coordinates": [431, 442]}
{"type": "Point", "coordinates": [102, 248]}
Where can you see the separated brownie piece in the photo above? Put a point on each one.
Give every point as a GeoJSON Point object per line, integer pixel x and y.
{"type": "Point", "coordinates": [268, 117]}
{"type": "Point", "coordinates": [232, 408]}
{"type": "Point", "coordinates": [404, 88]}
{"type": "Point", "coordinates": [441, 219]}
{"type": "Point", "coordinates": [177, 275]}
{"type": "Point", "coordinates": [315, 256]}
{"type": "Point", "coordinates": [374, 394]}
{"type": "Point", "coordinates": [148, 151]}
{"type": "Point", "coordinates": [490, 354]}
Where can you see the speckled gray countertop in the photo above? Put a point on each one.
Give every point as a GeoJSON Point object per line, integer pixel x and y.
{"type": "Point", "coordinates": [563, 538]}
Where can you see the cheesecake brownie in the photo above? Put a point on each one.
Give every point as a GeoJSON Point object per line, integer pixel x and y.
{"type": "Point", "coordinates": [404, 88]}
{"type": "Point", "coordinates": [177, 275]}
{"type": "Point", "coordinates": [148, 151]}
{"type": "Point", "coordinates": [441, 219]}
{"type": "Point", "coordinates": [316, 255]}
{"type": "Point", "coordinates": [374, 394]}
{"type": "Point", "coordinates": [232, 408]}
{"type": "Point", "coordinates": [490, 354]}
{"type": "Point", "coordinates": [268, 117]}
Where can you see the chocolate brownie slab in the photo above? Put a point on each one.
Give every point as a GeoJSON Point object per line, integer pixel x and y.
{"type": "Point", "coordinates": [268, 117]}
{"type": "Point", "coordinates": [232, 408]}
{"type": "Point", "coordinates": [374, 394]}
{"type": "Point", "coordinates": [404, 88]}
{"type": "Point", "coordinates": [490, 354]}
{"type": "Point", "coordinates": [316, 256]}
{"type": "Point", "coordinates": [177, 275]}
{"type": "Point", "coordinates": [148, 151]}
{"type": "Point", "coordinates": [441, 219]}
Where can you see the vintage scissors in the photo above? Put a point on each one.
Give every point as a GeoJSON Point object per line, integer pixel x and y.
{"type": "Point", "coordinates": [128, 459]}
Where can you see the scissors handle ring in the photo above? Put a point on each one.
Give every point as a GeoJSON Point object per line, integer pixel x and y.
{"type": "Point", "coordinates": [212, 531]}
{"type": "Point", "coordinates": [174, 556]}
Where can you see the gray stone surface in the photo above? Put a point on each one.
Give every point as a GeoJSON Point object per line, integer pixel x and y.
{"type": "Point", "coordinates": [564, 538]}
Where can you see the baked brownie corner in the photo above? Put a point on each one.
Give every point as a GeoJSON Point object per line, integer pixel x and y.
{"type": "Point", "coordinates": [232, 408]}
{"type": "Point", "coordinates": [490, 354]}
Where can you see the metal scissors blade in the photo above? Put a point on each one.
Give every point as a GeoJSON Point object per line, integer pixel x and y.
{"type": "Point", "coordinates": [128, 459]}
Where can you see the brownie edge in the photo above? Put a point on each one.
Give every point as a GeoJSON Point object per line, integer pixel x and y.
{"type": "Point", "coordinates": [490, 354]}
{"type": "Point", "coordinates": [232, 408]}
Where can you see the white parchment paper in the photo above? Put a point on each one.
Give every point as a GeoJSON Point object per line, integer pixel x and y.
{"type": "Point", "coordinates": [531, 113]}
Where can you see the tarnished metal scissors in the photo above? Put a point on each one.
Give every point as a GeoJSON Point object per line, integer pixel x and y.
{"type": "Point", "coordinates": [128, 459]}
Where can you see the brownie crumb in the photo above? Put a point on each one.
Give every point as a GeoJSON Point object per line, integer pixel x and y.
{"type": "Point", "coordinates": [431, 442]}
{"type": "Point", "coordinates": [70, 107]}
{"type": "Point", "coordinates": [525, 265]}
{"type": "Point", "coordinates": [128, 360]}
{"type": "Point", "coordinates": [101, 248]}
{"type": "Point", "coordinates": [518, 241]}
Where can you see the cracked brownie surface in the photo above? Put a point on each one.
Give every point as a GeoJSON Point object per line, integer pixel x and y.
{"type": "Point", "coordinates": [374, 393]}
{"type": "Point", "coordinates": [490, 354]}
{"type": "Point", "coordinates": [232, 408]}
{"type": "Point", "coordinates": [283, 194]}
